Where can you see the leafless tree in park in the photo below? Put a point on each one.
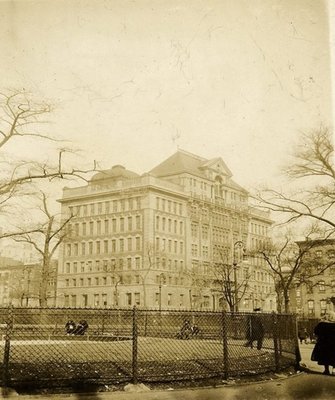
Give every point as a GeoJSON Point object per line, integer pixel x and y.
{"type": "Point", "coordinates": [290, 265]}
{"type": "Point", "coordinates": [45, 236]}
{"type": "Point", "coordinates": [229, 287]}
{"type": "Point", "coordinates": [21, 119]}
{"type": "Point", "coordinates": [313, 173]}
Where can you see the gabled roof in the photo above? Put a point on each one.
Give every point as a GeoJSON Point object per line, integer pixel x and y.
{"type": "Point", "coordinates": [182, 162]}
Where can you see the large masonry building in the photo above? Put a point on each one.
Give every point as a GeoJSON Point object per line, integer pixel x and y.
{"type": "Point", "coordinates": [152, 240]}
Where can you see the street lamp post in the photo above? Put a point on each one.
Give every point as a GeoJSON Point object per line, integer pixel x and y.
{"type": "Point", "coordinates": [161, 276]}
{"type": "Point", "coordinates": [238, 244]}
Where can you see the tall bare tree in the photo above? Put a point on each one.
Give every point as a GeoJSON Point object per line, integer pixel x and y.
{"type": "Point", "coordinates": [225, 280]}
{"type": "Point", "coordinates": [313, 173]}
{"type": "Point", "coordinates": [45, 237]}
{"type": "Point", "coordinates": [21, 120]}
{"type": "Point", "coordinates": [290, 265]}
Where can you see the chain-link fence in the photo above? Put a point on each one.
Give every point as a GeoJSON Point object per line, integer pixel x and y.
{"type": "Point", "coordinates": [43, 347]}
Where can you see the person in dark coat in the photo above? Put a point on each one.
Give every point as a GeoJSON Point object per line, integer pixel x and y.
{"type": "Point", "coordinates": [255, 331]}
{"type": "Point", "coordinates": [81, 327]}
{"type": "Point", "coordinates": [70, 327]}
{"type": "Point", "coordinates": [324, 349]}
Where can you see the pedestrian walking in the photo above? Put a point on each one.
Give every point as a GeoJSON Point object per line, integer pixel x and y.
{"type": "Point", "coordinates": [324, 349]}
{"type": "Point", "coordinates": [255, 330]}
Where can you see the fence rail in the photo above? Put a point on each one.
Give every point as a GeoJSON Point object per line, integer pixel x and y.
{"type": "Point", "coordinates": [40, 347]}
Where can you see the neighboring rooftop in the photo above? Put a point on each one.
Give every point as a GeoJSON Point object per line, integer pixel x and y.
{"type": "Point", "coordinates": [116, 172]}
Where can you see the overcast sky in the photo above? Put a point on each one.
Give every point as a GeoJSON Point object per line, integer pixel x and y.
{"type": "Point", "coordinates": [134, 80]}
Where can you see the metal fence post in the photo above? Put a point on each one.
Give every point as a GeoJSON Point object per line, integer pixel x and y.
{"type": "Point", "coordinates": [7, 337]}
{"type": "Point", "coordinates": [297, 348]}
{"type": "Point", "coordinates": [225, 345]}
{"type": "Point", "coordinates": [275, 340]}
{"type": "Point", "coordinates": [134, 353]}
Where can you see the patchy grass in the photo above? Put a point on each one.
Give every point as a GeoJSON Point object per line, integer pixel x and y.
{"type": "Point", "coordinates": [46, 363]}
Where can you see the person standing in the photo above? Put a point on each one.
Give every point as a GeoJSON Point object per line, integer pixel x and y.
{"type": "Point", "coordinates": [255, 330]}
{"type": "Point", "coordinates": [324, 349]}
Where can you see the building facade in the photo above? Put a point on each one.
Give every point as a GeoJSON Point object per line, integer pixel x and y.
{"type": "Point", "coordinates": [20, 283]}
{"type": "Point", "coordinates": [316, 297]}
{"type": "Point", "coordinates": [152, 240]}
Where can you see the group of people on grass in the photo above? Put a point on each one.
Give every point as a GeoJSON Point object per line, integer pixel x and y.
{"type": "Point", "coordinates": [71, 328]}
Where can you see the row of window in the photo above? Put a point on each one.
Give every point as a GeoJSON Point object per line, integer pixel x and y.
{"type": "Point", "coordinates": [103, 246]}
{"type": "Point", "coordinates": [161, 279]}
{"type": "Point", "coordinates": [259, 229]}
{"type": "Point", "coordinates": [120, 264]}
{"type": "Point", "coordinates": [168, 225]}
{"type": "Point", "coordinates": [102, 265]}
{"type": "Point", "coordinates": [106, 226]}
{"type": "Point", "coordinates": [169, 206]}
{"type": "Point", "coordinates": [167, 245]}
{"type": "Point", "coordinates": [106, 207]}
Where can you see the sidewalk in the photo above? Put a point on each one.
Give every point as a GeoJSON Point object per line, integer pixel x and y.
{"type": "Point", "coordinates": [312, 366]}
{"type": "Point", "coordinates": [300, 386]}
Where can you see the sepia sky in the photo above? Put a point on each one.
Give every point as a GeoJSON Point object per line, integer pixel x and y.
{"type": "Point", "coordinates": [134, 80]}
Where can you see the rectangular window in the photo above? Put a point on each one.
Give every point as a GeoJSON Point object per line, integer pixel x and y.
{"type": "Point", "coordinates": [130, 223]}
{"type": "Point", "coordinates": [128, 299]}
{"type": "Point", "coordinates": [322, 287]}
{"type": "Point", "coordinates": [137, 262]}
{"type": "Point", "coordinates": [67, 268]}
{"type": "Point", "coordinates": [85, 209]}
{"type": "Point", "coordinates": [99, 227]}
{"type": "Point", "coordinates": [106, 226]}
{"type": "Point", "coordinates": [128, 263]}
{"type": "Point", "coordinates": [68, 249]}
{"type": "Point", "coordinates": [113, 245]}
{"type": "Point", "coordinates": [73, 300]}
{"type": "Point", "coordinates": [91, 227]}
{"type": "Point", "coordinates": [121, 245]}
{"type": "Point", "coordinates": [75, 266]}
{"type": "Point", "coordinates": [105, 246]}
{"type": "Point", "coordinates": [83, 227]}
{"type": "Point", "coordinates": [121, 224]}
{"type": "Point", "coordinates": [138, 243]}
{"type": "Point", "coordinates": [169, 299]}
{"type": "Point", "coordinates": [84, 300]}
{"type": "Point", "coordinates": [96, 300]}
{"type": "Point", "coordinates": [92, 208]}
{"type": "Point", "coordinates": [66, 300]}
{"type": "Point", "coordinates": [114, 224]}
{"type": "Point", "coordinates": [138, 222]}
{"type": "Point", "coordinates": [137, 299]}
{"type": "Point", "coordinates": [130, 244]}
{"type": "Point", "coordinates": [104, 299]}
{"type": "Point", "coordinates": [106, 207]}
{"type": "Point", "coordinates": [98, 247]}
{"type": "Point", "coordinates": [114, 205]}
